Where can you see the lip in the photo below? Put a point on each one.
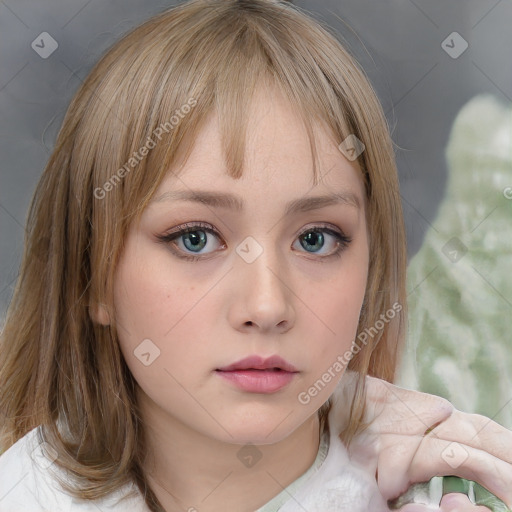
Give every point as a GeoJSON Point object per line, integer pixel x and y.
{"type": "Point", "coordinates": [256, 362]}
{"type": "Point", "coordinates": [256, 374]}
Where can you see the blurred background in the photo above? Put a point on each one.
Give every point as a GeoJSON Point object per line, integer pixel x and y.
{"type": "Point", "coordinates": [443, 72]}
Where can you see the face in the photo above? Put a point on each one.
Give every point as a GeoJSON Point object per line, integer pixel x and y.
{"type": "Point", "coordinates": [219, 270]}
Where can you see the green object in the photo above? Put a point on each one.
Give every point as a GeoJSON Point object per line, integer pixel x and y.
{"type": "Point", "coordinates": [455, 484]}
{"type": "Point", "coordinates": [485, 498]}
{"type": "Point", "coordinates": [430, 493]}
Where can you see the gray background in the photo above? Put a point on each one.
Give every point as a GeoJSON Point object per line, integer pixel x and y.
{"type": "Point", "coordinates": [398, 42]}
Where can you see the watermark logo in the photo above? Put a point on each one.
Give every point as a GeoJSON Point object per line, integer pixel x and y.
{"type": "Point", "coordinates": [351, 147]}
{"type": "Point", "coordinates": [455, 455]}
{"type": "Point", "coordinates": [249, 455]}
{"type": "Point", "coordinates": [147, 352]}
{"type": "Point", "coordinates": [454, 45]}
{"type": "Point", "coordinates": [454, 249]}
{"type": "Point", "coordinates": [44, 45]}
{"type": "Point", "coordinates": [249, 249]}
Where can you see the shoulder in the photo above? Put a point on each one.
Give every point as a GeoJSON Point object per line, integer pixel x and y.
{"type": "Point", "coordinates": [29, 483]}
{"type": "Point", "coordinates": [23, 486]}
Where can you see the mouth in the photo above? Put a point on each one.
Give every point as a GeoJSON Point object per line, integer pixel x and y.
{"type": "Point", "coordinates": [255, 374]}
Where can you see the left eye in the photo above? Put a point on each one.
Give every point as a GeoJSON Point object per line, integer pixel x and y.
{"type": "Point", "coordinates": [315, 239]}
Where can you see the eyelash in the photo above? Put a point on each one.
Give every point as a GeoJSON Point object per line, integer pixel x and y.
{"type": "Point", "coordinates": [342, 240]}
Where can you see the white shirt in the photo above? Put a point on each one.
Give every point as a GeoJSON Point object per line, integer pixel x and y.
{"type": "Point", "coordinates": [28, 484]}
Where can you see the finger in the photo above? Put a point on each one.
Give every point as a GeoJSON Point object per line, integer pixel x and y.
{"type": "Point", "coordinates": [402, 411]}
{"type": "Point", "coordinates": [404, 460]}
{"type": "Point", "coordinates": [456, 502]}
{"type": "Point", "coordinates": [478, 432]}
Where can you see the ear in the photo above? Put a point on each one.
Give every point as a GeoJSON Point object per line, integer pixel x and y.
{"type": "Point", "coordinates": [99, 314]}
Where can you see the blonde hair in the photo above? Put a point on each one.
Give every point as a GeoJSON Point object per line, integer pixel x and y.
{"type": "Point", "coordinates": [61, 370]}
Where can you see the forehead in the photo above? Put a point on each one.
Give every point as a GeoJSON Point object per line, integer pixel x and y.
{"type": "Point", "coordinates": [278, 159]}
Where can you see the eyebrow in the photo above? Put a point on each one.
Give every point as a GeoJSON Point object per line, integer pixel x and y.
{"type": "Point", "coordinates": [224, 200]}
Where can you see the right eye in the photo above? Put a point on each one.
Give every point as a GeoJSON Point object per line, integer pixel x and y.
{"type": "Point", "coordinates": [193, 237]}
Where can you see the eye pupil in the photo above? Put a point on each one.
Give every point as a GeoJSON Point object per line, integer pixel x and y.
{"type": "Point", "coordinates": [312, 238]}
{"type": "Point", "coordinates": [196, 238]}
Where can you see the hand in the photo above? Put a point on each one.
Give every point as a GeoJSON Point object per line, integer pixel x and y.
{"type": "Point", "coordinates": [401, 448]}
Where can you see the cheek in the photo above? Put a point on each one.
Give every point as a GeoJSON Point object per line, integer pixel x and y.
{"type": "Point", "coordinates": [155, 312]}
{"type": "Point", "coordinates": [339, 310]}
{"type": "Point", "coordinates": [338, 301]}
{"type": "Point", "coordinates": [151, 299]}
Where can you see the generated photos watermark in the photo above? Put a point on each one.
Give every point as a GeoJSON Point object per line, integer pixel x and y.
{"type": "Point", "coordinates": [143, 151]}
{"type": "Point", "coordinates": [338, 366]}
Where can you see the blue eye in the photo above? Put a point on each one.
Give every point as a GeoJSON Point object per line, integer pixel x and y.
{"type": "Point", "coordinates": [190, 240]}
{"type": "Point", "coordinates": [194, 238]}
{"type": "Point", "coordinates": [315, 239]}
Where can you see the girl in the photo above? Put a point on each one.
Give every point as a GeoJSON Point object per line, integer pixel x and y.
{"type": "Point", "coordinates": [214, 264]}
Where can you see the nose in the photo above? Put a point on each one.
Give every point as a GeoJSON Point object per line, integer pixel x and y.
{"type": "Point", "coordinates": [263, 297]}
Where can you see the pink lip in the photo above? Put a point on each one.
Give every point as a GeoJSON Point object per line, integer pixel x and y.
{"type": "Point", "coordinates": [258, 375]}
{"type": "Point", "coordinates": [259, 363]}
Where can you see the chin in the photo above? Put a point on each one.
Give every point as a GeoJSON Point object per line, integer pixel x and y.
{"type": "Point", "coordinates": [262, 427]}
